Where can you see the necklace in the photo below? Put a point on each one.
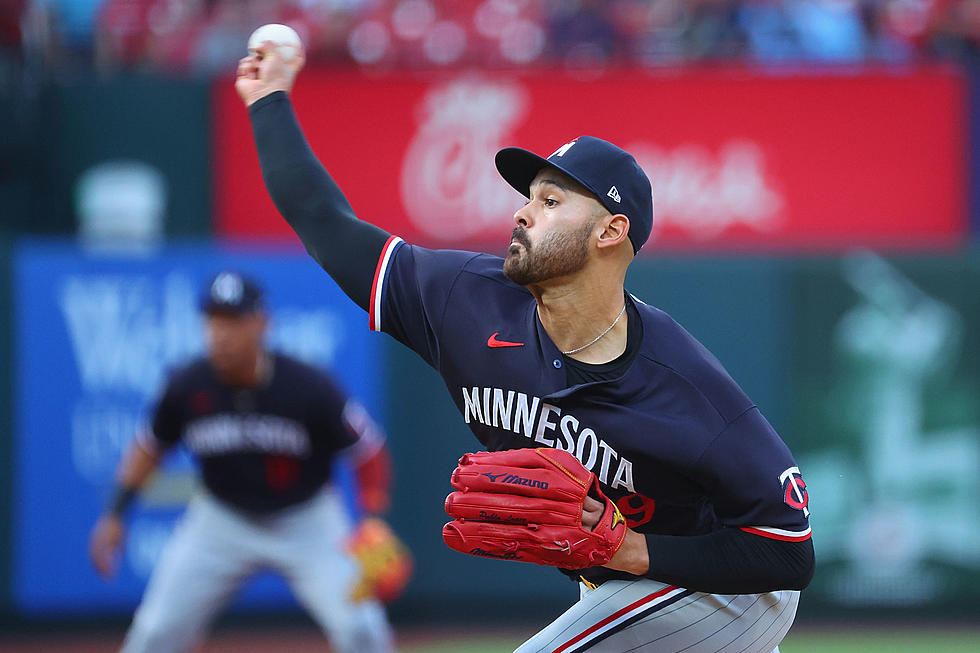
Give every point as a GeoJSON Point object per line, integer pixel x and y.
{"type": "Point", "coordinates": [608, 329]}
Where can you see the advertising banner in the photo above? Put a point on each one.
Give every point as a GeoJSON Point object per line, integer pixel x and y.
{"type": "Point", "coordinates": [738, 160]}
{"type": "Point", "coordinates": [886, 360]}
{"type": "Point", "coordinates": [94, 336]}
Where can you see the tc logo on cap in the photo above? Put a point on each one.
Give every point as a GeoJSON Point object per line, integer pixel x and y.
{"type": "Point", "coordinates": [561, 150]}
{"type": "Point", "coordinates": [613, 193]}
{"type": "Point", "coordinates": [227, 289]}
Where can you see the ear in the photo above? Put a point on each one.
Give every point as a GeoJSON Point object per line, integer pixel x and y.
{"type": "Point", "coordinates": [614, 230]}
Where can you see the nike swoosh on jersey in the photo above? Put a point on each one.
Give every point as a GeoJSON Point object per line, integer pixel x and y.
{"type": "Point", "coordinates": [493, 342]}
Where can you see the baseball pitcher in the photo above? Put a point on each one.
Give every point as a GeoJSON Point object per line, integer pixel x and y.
{"type": "Point", "coordinates": [619, 449]}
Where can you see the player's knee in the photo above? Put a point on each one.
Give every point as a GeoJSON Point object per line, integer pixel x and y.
{"type": "Point", "coordinates": [353, 640]}
{"type": "Point", "coordinates": [154, 633]}
{"type": "Point", "coordinates": [365, 633]}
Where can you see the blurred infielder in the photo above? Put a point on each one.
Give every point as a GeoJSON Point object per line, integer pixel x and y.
{"type": "Point", "coordinates": [266, 429]}
{"type": "Point", "coordinates": [642, 470]}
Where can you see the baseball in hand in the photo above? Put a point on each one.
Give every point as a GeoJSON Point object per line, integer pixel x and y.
{"type": "Point", "coordinates": [285, 37]}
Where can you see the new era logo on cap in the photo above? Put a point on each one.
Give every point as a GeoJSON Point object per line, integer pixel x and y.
{"type": "Point", "coordinates": [607, 171]}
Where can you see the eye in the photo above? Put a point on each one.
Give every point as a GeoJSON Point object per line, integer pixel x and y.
{"type": "Point", "coordinates": [550, 202]}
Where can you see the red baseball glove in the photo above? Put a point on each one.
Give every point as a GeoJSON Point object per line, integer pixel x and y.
{"type": "Point", "coordinates": [526, 505]}
{"type": "Point", "coordinates": [385, 563]}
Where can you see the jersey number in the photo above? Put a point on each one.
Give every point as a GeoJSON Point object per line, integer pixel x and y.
{"type": "Point", "coordinates": [636, 508]}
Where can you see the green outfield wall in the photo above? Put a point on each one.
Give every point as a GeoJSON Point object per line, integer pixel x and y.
{"type": "Point", "coordinates": [885, 421]}
{"type": "Point", "coordinates": [66, 130]}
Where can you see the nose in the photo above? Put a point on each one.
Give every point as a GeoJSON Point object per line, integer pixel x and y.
{"type": "Point", "coordinates": [523, 216]}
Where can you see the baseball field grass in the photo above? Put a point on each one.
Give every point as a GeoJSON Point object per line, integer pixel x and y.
{"type": "Point", "coordinates": [876, 640]}
{"type": "Point", "coordinates": [897, 640]}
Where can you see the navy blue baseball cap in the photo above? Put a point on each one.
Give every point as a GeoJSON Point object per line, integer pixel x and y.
{"type": "Point", "coordinates": [231, 293]}
{"type": "Point", "coordinates": [608, 172]}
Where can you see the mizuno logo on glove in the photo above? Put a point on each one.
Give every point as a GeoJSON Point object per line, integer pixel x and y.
{"type": "Point", "coordinates": [517, 480]}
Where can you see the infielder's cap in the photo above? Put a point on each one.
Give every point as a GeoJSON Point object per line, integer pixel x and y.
{"type": "Point", "coordinates": [231, 293]}
{"type": "Point", "coordinates": [608, 172]}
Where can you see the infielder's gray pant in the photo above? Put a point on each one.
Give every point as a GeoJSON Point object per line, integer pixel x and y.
{"type": "Point", "coordinates": [645, 616]}
{"type": "Point", "coordinates": [215, 549]}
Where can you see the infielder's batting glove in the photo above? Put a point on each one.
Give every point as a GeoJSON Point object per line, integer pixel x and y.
{"type": "Point", "coordinates": [526, 505]}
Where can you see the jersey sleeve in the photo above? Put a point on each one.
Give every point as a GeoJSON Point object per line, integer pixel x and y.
{"type": "Point", "coordinates": [413, 285]}
{"type": "Point", "coordinates": [327, 423]}
{"type": "Point", "coordinates": [368, 434]}
{"type": "Point", "coordinates": [753, 482]}
{"type": "Point", "coordinates": [169, 417]}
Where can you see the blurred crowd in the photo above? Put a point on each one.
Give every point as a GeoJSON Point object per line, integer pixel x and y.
{"type": "Point", "coordinates": [203, 36]}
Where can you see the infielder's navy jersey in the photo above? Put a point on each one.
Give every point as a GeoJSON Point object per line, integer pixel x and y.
{"type": "Point", "coordinates": [260, 448]}
{"type": "Point", "coordinates": [674, 441]}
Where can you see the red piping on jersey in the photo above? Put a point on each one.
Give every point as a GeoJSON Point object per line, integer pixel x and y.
{"type": "Point", "coordinates": [377, 277]}
{"type": "Point", "coordinates": [785, 536]}
{"type": "Point", "coordinates": [613, 617]}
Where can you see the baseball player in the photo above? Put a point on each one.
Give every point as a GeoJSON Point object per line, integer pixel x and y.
{"type": "Point", "coordinates": [544, 350]}
{"type": "Point", "coordinates": [266, 429]}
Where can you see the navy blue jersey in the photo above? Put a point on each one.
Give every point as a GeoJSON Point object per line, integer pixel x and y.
{"type": "Point", "coordinates": [261, 448]}
{"type": "Point", "coordinates": [674, 440]}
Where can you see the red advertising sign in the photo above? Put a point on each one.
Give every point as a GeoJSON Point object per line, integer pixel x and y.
{"type": "Point", "coordinates": [738, 160]}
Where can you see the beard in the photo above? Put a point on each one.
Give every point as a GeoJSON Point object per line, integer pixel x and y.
{"type": "Point", "coordinates": [560, 253]}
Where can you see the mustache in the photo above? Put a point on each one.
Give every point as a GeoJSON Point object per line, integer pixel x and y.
{"type": "Point", "coordinates": [520, 235]}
